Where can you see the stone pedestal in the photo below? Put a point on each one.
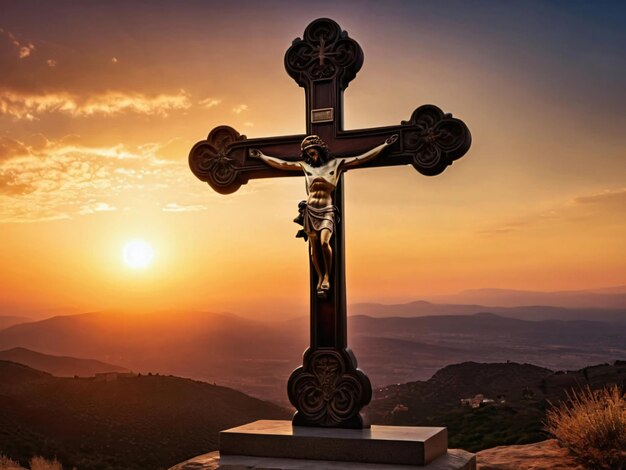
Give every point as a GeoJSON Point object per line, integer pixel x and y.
{"type": "Point", "coordinates": [278, 445]}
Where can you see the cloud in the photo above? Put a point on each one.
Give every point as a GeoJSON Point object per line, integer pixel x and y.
{"type": "Point", "coordinates": [10, 184]}
{"type": "Point", "coordinates": [174, 207]}
{"type": "Point", "coordinates": [43, 179]}
{"type": "Point", "coordinates": [23, 49]}
{"type": "Point", "coordinates": [10, 148]}
{"type": "Point", "coordinates": [240, 108]}
{"type": "Point", "coordinates": [599, 207]}
{"type": "Point", "coordinates": [30, 106]}
{"type": "Point", "coordinates": [175, 149]}
{"type": "Point", "coordinates": [209, 102]}
{"type": "Point", "coordinates": [609, 196]}
{"type": "Point", "coordinates": [34, 145]}
{"type": "Point", "coordinates": [94, 207]}
{"type": "Point", "coordinates": [51, 63]}
{"type": "Point", "coordinates": [505, 227]}
{"type": "Point", "coordinates": [114, 60]}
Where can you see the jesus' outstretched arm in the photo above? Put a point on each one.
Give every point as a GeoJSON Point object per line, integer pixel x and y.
{"type": "Point", "coordinates": [275, 162]}
{"type": "Point", "coordinates": [353, 162]}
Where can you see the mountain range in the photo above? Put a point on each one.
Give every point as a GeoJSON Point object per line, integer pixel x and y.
{"type": "Point", "coordinates": [422, 308]}
{"type": "Point", "coordinates": [608, 297]}
{"type": "Point", "coordinates": [257, 357]}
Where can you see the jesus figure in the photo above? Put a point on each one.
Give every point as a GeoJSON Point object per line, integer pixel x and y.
{"type": "Point", "coordinates": [321, 172]}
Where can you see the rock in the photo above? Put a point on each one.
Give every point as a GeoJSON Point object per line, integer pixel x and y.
{"type": "Point", "coordinates": [203, 462]}
{"type": "Point", "coordinates": [546, 455]}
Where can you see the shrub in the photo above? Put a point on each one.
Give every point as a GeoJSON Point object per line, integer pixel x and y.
{"type": "Point", "coordinates": [592, 425]}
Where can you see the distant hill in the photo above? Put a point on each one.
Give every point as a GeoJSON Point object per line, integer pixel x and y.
{"type": "Point", "coordinates": [143, 422]}
{"type": "Point", "coordinates": [611, 298]}
{"type": "Point", "coordinates": [253, 356]}
{"type": "Point", "coordinates": [59, 366]}
{"type": "Point", "coordinates": [532, 312]}
{"type": "Point", "coordinates": [520, 394]}
{"type": "Point", "coordinates": [7, 321]}
{"type": "Point", "coordinates": [258, 357]}
{"type": "Point", "coordinates": [430, 343]}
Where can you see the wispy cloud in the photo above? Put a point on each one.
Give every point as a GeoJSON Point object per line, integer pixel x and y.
{"type": "Point", "coordinates": [174, 207]}
{"type": "Point", "coordinates": [608, 204]}
{"type": "Point", "coordinates": [209, 102]}
{"type": "Point", "coordinates": [51, 63]}
{"type": "Point", "coordinates": [240, 108]}
{"type": "Point", "coordinates": [10, 148]}
{"type": "Point", "coordinates": [23, 49]}
{"type": "Point", "coordinates": [609, 196]}
{"type": "Point", "coordinates": [176, 149]}
{"type": "Point", "coordinates": [94, 207]}
{"type": "Point", "coordinates": [31, 106]}
{"type": "Point", "coordinates": [46, 180]}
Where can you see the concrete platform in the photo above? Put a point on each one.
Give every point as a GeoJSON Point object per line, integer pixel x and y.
{"type": "Point", "coordinates": [389, 445]}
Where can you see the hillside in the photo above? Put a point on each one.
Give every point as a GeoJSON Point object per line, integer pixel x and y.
{"type": "Point", "coordinates": [520, 394]}
{"type": "Point", "coordinates": [143, 422]}
{"type": "Point", "coordinates": [59, 366]}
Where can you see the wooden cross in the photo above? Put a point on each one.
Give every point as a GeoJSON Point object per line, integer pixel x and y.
{"type": "Point", "coordinates": [328, 390]}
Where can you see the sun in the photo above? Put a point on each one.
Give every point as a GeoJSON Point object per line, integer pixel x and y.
{"type": "Point", "coordinates": [138, 253]}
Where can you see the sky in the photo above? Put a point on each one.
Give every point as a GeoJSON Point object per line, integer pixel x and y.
{"type": "Point", "coordinates": [100, 103]}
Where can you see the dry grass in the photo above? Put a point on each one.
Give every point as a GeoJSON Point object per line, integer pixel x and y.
{"type": "Point", "coordinates": [592, 425]}
{"type": "Point", "coordinates": [39, 463]}
{"type": "Point", "coordinates": [8, 464]}
{"type": "Point", "coordinates": [36, 463]}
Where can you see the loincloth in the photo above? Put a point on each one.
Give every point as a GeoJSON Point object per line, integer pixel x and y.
{"type": "Point", "coordinates": [316, 219]}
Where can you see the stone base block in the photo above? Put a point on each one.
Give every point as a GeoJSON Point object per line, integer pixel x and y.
{"type": "Point", "coordinates": [397, 445]}
{"type": "Point", "coordinates": [277, 445]}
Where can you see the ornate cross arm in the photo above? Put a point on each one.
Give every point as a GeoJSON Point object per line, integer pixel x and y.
{"type": "Point", "coordinates": [430, 140]}
{"type": "Point", "coordinates": [223, 160]}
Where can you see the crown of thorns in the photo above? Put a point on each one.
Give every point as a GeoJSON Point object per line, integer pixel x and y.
{"type": "Point", "coordinates": [313, 141]}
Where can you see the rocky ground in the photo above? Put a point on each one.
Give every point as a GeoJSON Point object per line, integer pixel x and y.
{"type": "Point", "coordinates": [545, 455]}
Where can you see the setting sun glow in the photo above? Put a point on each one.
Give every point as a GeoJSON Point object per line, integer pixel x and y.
{"type": "Point", "coordinates": [96, 129]}
{"type": "Point", "coordinates": [138, 254]}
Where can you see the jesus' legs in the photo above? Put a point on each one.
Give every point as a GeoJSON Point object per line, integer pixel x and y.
{"type": "Point", "coordinates": [314, 243]}
{"type": "Point", "coordinates": [327, 253]}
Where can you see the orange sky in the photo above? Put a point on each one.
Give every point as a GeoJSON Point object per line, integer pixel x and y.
{"type": "Point", "coordinates": [100, 106]}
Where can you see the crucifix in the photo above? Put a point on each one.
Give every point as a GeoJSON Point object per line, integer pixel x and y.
{"type": "Point", "coordinates": [328, 390]}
